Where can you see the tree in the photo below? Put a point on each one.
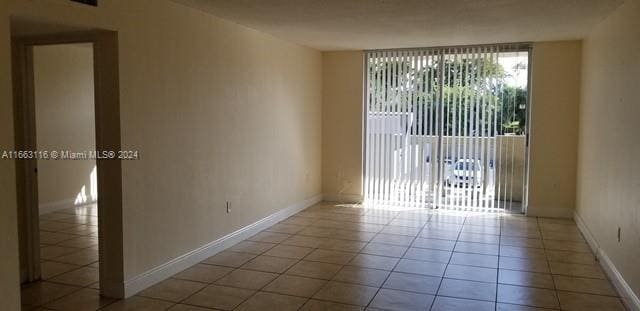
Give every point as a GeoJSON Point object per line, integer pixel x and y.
{"type": "Point", "coordinates": [476, 99]}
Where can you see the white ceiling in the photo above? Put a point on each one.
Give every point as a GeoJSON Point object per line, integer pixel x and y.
{"type": "Point", "coordinates": [374, 24]}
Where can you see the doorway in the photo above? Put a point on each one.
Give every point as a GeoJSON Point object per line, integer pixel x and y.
{"type": "Point", "coordinates": [73, 243]}
{"type": "Point", "coordinates": [66, 174]}
{"type": "Point", "coordinates": [447, 127]}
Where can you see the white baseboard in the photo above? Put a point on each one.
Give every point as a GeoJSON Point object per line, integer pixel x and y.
{"type": "Point", "coordinates": [630, 298]}
{"type": "Point", "coordinates": [166, 270]}
{"type": "Point", "coordinates": [591, 240]}
{"type": "Point", "coordinates": [50, 207]}
{"type": "Point", "coordinates": [342, 198]}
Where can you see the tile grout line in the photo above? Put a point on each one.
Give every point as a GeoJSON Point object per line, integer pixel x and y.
{"type": "Point", "coordinates": [333, 277]}
{"type": "Point", "coordinates": [398, 262]}
{"type": "Point", "coordinates": [448, 263]}
{"type": "Point", "coordinates": [238, 268]}
{"type": "Point", "coordinates": [77, 288]}
{"type": "Point", "coordinates": [555, 291]}
{"type": "Point", "coordinates": [379, 232]}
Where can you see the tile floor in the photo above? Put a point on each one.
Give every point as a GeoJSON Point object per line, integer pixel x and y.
{"type": "Point", "coordinates": [332, 257]}
{"type": "Point", "coordinates": [69, 260]}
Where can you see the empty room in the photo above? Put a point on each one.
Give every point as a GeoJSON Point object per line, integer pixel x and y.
{"type": "Point", "coordinates": [319, 155]}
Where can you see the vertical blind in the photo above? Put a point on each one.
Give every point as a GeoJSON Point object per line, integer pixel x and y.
{"type": "Point", "coordinates": [446, 127]}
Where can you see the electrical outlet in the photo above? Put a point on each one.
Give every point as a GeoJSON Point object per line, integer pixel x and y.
{"type": "Point", "coordinates": [619, 233]}
{"type": "Point", "coordinates": [228, 207]}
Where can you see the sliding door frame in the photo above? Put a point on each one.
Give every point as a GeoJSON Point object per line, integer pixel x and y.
{"type": "Point", "coordinates": [504, 47]}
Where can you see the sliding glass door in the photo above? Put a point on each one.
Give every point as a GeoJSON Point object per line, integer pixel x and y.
{"type": "Point", "coordinates": [447, 127]}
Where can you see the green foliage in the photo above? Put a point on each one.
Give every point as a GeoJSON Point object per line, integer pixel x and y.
{"type": "Point", "coordinates": [474, 94]}
{"type": "Point", "coordinates": [514, 113]}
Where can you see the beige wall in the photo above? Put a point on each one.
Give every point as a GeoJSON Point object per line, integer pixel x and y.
{"type": "Point", "coordinates": [342, 125]}
{"type": "Point", "coordinates": [9, 262]}
{"type": "Point", "coordinates": [555, 98]}
{"type": "Point", "coordinates": [64, 100]}
{"type": "Point", "coordinates": [218, 112]}
{"type": "Point", "coordinates": [555, 85]}
{"type": "Point", "coordinates": [608, 193]}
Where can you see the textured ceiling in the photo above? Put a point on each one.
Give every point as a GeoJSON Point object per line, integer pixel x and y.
{"type": "Point", "coordinates": [374, 24]}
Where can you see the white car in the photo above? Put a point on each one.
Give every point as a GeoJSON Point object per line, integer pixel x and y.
{"type": "Point", "coordinates": [466, 173]}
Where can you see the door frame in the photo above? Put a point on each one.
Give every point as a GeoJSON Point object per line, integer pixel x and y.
{"type": "Point", "coordinates": [108, 136]}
